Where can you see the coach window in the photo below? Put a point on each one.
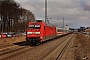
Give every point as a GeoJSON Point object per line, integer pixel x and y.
{"type": "Point", "coordinates": [58, 30]}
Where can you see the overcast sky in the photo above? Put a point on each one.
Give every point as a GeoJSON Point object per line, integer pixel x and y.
{"type": "Point", "coordinates": [76, 13]}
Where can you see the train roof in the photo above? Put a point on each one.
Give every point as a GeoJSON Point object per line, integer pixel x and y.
{"type": "Point", "coordinates": [40, 21]}
{"type": "Point", "coordinates": [49, 24]}
{"type": "Point", "coordinates": [61, 28]}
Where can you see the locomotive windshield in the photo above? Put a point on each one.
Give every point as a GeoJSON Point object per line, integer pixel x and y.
{"type": "Point", "coordinates": [34, 27]}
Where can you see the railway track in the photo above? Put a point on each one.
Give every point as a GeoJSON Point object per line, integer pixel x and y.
{"type": "Point", "coordinates": [64, 49]}
{"type": "Point", "coordinates": [52, 54]}
{"type": "Point", "coordinates": [57, 52]}
{"type": "Point", "coordinates": [69, 52]}
{"type": "Point", "coordinates": [12, 50]}
{"type": "Point", "coordinates": [6, 45]}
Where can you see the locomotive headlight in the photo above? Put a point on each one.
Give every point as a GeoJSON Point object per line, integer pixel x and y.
{"type": "Point", "coordinates": [37, 32]}
{"type": "Point", "coordinates": [41, 37]}
{"type": "Point", "coordinates": [29, 32]}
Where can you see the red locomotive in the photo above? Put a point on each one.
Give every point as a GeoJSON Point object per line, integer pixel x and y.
{"type": "Point", "coordinates": [38, 32]}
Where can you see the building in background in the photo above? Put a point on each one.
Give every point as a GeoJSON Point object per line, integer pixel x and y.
{"type": "Point", "coordinates": [67, 27]}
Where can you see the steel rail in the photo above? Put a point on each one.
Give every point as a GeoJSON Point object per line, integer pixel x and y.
{"type": "Point", "coordinates": [52, 49]}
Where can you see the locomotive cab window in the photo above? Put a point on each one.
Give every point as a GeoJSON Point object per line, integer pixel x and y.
{"type": "Point", "coordinates": [34, 27]}
{"type": "Point", "coordinates": [37, 26]}
{"type": "Point", "coordinates": [31, 27]}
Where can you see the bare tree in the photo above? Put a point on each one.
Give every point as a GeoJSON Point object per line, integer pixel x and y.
{"type": "Point", "coordinates": [13, 16]}
{"type": "Point", "coordinates": [26, 17]}
{"type": "Point", "coordinates": [7, 12]}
